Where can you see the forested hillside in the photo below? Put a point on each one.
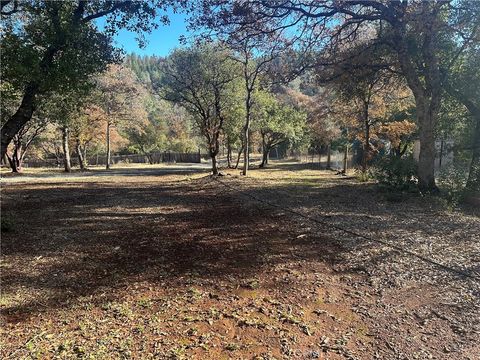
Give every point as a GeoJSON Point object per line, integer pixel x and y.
{"type": "Point", "coordinates": [146, 68]}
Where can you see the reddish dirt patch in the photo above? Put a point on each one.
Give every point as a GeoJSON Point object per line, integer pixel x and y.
{"type": "Point", "coordinates": [158, 268]}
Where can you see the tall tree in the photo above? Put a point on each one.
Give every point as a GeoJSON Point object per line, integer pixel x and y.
{"type": "Point", "coordinates": [252, 67]}
{"type": "Point", "coordinates": [410, 30]}
{"type": "Point", "coordinates": [461, 79]}
{"type": "Point", "coordinates": [122, 99]}
{"type": "Point", "coordinates": [22, 141]}
{"type": "Point", "coordinates": [464, 86]}
{"type": "Point", "coordinates": [277, 123]}
{"type": "Point", "coordinates": [232, 130]}
{"type": "Point", "coordinates": [201, 79]}
{"type": "Point", "coordinates": [50, 45]}
{"type": "Point", "coordinates": [87, 130]}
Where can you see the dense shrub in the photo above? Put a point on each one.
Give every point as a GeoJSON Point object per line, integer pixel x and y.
{"type": "Point", "coordinates": [451, 181]}
{"type": "Point", "coordinates": [364, 176]}
{"type": "Point", "coordinates": [396, 173]}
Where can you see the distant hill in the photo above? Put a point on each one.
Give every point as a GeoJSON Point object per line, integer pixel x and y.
{"type": "Point", "coordinates": [147, 68]}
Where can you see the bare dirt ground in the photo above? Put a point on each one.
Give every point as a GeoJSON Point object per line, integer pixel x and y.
{"type": "Point", "coordinates": [149, 263]}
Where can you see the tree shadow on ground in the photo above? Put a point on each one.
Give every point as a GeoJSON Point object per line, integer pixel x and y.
{"type": "Point", "coordinates": [73, 241]}
{"type": "Point", "coordinates": [413, 223]}
{"type": "Point", "coordinates": [78, 240]}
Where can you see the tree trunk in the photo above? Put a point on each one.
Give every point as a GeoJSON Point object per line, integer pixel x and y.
{"type": "Point", "coordinates": [246, 150]}
{"type": "Point", "coordinates": [85, 154]}
{"type": "Point", "coordinates": [246, 132]}
{"type": "Point", "coordinates": [329, 156]}
{"type": "Point", "coordinates": [213, 155]}
{"type": "Point", "coordinates": [238, 157]}
{"type": "Point", "coordinates": [264, 150]}
{"type": "Point", "coordinates": [473, 181]}
{"type": "Point", "coordinates": [81, 158]}
{"type": "Point", "coordinates": [214, 165]}
{"type": "Point", "coordinates": [265, 157]}
{"type": "Point", "coordinates": [149, 158]}
{"type": "Point", "coordinates": [366, 144]}
{"type": "Point", "coordinates": [12, 163]}
{"type": "Point", "coordinates": [229, 154]}
{"type": "Point", "coordinates": [345, 160]}
{"type": "Point", "coordinates": [107, 166]}
{"type": "Point", "coordinates": [20, 118]}
{"type": "Point", "coordinates": [66, 150]}
{"type": "Point", "coordinates": [426, 89]}
{"type": "Point", "coordinates": [15, 160]}
{"type": "Point", "coordinates": [426, 161]}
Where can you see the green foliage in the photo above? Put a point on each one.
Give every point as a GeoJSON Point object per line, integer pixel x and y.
{"type": "Point", "coordinates": [364, 176]}
{"type": "Point", "coordinates": [148, 139]}
{"type": "Point", "coordinates": [202, 80]}
{"type": "Point", "coordinates": [147, 68]}
{"type": "Point", "coordinates": [48, 49]}
{"type": "Point", "coordinates": [397, 173]}
{"type": "Point", "coordinates": [451, 181]}
{"type": "Point", "coordinates": [277, 122]}
{"type": "Point", "coordinates": [235, 117]}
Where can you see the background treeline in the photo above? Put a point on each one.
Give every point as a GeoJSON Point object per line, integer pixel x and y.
{"type": "Point", "coordinates": [368, 78]}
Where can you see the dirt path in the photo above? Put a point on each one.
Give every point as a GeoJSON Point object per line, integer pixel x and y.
{"type": "Point", "coordinates": [169, 266]}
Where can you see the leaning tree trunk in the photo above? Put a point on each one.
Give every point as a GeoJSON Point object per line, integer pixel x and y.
{"type": "Point", "coordinates": [238, 157]}
{"type": "Point", "coordinates": [66, 150]}
{"type": "Point", "coordinates": [19, 119]}
{"type": "Point", "coordinates": [81, 158]}
{"type": "Point", "coordinates": [107, 166]}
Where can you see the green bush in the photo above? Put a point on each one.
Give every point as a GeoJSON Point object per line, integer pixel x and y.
{"type": "Point", "coordinates": [364, 176]}
{"type": "Point", "coordinates": [396, 173]}
{"type": "Point", "coordinates": [452, 181]}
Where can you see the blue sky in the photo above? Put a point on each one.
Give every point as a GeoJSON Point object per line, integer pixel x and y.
{"type": "Point", "coordinates": [159, 42]}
